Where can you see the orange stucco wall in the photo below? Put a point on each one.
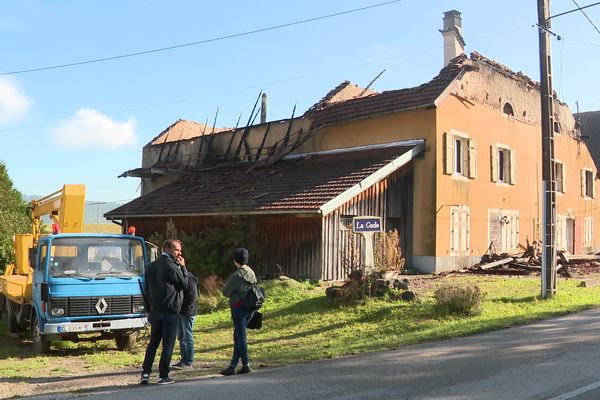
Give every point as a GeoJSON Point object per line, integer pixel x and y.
{"type": "Point", "coordinates": [407, 125]}
{"type": "Point", "coordinates": [489, 126]}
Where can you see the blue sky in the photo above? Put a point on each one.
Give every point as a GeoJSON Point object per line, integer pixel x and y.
{"type": "Point", "coordinates": [88, 123]}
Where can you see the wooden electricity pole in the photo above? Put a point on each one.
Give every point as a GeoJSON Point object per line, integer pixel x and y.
{"type": "Point", "coordinates": [548, 173]}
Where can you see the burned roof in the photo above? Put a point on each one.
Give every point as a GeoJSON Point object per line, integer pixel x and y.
{"type": "Point", "coordinates": [183, 130]}
{"type": "Point", "coordinates": [295, 184]}
{"type": "Point", "coordinates": [389, 101]}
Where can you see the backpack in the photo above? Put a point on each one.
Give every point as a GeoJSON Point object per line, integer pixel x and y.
{"type": "Point", "coordinates": [254, 298]}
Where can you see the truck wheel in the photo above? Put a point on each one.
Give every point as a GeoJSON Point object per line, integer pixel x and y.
{"type": "Point", "coordinates": [10, 317]}
{"type": "Point", "coordinates": [126, 341]}
{"type": "Point", "coordinates": [40, 343]}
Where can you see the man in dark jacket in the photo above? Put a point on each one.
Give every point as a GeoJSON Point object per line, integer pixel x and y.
{"type": "Point", "coordinates": [165, 280]}
{"type": "Point", "coordinates": [185, 330]}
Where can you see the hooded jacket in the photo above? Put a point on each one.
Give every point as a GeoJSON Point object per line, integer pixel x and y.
{"type": "Point", "coordinates": [238, 284]}
{"type": "Point", "coordinates": [164, 284]}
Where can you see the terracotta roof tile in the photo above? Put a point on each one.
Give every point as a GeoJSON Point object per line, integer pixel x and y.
{"type": "Point", "coordinates": [182, 130]}
{"type": "Point", "coordinates": [292, 185]}
{"type": "Point", "coordinates": [389, 101]}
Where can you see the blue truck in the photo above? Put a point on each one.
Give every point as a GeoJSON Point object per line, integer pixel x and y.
{"type": "Point", "coordinates": [76, 286]}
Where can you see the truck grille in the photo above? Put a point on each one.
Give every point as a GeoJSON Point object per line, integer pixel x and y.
{"type": "Point", "coordinates": [86, 306]}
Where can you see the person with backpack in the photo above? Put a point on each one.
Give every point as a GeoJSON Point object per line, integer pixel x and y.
{"type": "Point", "coordinates": [236, 289]}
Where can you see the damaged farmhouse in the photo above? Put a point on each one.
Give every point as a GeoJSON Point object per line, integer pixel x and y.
{"type": "Point", "coordinates": [453, 164]}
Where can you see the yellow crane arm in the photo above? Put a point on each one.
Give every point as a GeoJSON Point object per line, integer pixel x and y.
{"type": "Point", "coordinates": [66, 207]}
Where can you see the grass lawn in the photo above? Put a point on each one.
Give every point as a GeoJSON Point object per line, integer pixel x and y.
{"type": "Point", "coordinates": [300, 324]}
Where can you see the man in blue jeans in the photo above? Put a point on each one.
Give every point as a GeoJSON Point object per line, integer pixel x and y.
{"type": "Point", "coordinates": [185, 330]}
{"type": "Point", "coordinates": [165, 280]}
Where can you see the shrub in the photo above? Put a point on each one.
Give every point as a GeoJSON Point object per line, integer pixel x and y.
{"type": "Point", "coordinates": [211, 302]}
{"type": "Point", "coordinates": [388, 255]}
{"type": "Point", "coordinates": [459, 300]}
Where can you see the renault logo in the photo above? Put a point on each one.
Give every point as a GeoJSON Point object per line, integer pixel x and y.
{"type": "Point", "coordinates": [101, 305]}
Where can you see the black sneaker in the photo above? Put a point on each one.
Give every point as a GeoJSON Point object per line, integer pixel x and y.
{"type": "Point", "coordinates": [244, 370]}
{"type": "Point", "coordinates": [228, 371]}
{"type": "Point", "coordinates": [178, 366]}
{"type": "Point", "coordinates": [145, 378]}
{"type": "Point", "coordinates": [166, 381]}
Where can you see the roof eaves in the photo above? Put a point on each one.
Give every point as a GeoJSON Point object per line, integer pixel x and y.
{"type": "Point", "coordinates": [115, 216]}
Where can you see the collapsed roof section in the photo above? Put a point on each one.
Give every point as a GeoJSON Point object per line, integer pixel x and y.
{"type": "Point", "coordinates": [313, 183]}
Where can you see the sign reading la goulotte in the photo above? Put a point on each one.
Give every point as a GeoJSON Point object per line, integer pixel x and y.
{"type": "Point", "coordinates": [366, 224]}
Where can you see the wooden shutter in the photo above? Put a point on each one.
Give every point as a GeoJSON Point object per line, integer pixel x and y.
{"type": "Point", "coordinates": [564, 167]}
{"type": "Point", "coordinates": [593, 184]}
{"type": "Point", "coordinates": [513, 167]}
{"type": "Point", "coordinates": [583, 183]}
{"type": "Point", "coordinates": [449, 153]}
{"type": "Point", "coordinates": [494, 163]}
{"type": "Point", "coordinates": [472, 158]}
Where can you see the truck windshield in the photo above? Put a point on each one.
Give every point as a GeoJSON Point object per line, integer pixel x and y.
{"type": "Point", "coordinates": [95, 257]}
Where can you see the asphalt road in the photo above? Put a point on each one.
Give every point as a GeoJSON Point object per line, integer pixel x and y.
{"type": "Point", "coordinates": [555, 359]}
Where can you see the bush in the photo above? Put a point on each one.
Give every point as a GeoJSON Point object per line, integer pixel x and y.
{"type": "Point", "coordinates": [208, 303]}
{"type": "Point", "coordinates": [459, 300]}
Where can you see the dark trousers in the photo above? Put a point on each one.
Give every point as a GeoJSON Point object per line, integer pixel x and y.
{"type": "Point", "coordinates": [240, 317]}
{"type": "Point", "coordinates": [164, 328]}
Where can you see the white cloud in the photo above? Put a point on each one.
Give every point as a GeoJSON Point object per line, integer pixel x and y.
{"type": "Point", "coordinates": [90, 128]}
{"type": "Point", "coordinates": [13, 102]}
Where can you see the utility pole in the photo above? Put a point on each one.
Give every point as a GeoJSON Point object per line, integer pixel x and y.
{"type": "Point", "coordinates": [548, 173]}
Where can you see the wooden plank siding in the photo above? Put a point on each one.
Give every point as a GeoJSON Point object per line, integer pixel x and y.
{"type": "Point", "coordinates": [306, 246]}
{"type": "Point", "coordinates": [390, 199]}
{"type": "Point", "coordinates": [292, 243]}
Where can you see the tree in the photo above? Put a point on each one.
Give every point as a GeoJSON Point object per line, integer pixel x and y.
{"type": "Point", "coordinates": [13, 217]}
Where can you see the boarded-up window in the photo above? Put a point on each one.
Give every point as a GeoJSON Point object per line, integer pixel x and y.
{"type": "Point", "coordinates": [503, 230]}
{"type": "Point", "coordinates": [460, 230]}
{"type": "Point", "coordinates": [588, 231]}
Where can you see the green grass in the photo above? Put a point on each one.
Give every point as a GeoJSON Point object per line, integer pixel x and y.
{"type": "Point", "coordinates": [300, 324]}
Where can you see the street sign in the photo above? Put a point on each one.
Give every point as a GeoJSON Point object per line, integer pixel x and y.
{"type": "Point", "coordinates": [366, 224]}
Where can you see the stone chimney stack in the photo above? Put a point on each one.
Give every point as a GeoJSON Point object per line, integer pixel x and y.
{"type": "Point", "coordinates": [263, 109]}
{"type": "Point", "coordinates": [454, 44]}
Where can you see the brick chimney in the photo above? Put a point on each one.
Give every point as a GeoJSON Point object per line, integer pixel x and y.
{"type": "Point", "coordinates": [454, 44]}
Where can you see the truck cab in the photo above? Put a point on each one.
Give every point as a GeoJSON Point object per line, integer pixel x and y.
{"type": "Point", "coordinates": [85, 284]}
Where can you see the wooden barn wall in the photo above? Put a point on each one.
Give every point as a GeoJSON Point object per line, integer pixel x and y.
{"type": "Point", "coordinates": [390, 199]}
{"type": "Point", "coordinates": [292, 244]}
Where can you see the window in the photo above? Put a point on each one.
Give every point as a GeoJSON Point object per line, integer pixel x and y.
{"type": "Point", "coordinates": [587, 231]}
{"type": "Point", "coordinates": [459, 230]}
{"type": "Point", "coordinates": [504, 230]}
{"type": "Point", "coordinates": [503, 163]}
{"type": "Point", "coordinates": [460, 155]}
{"type": "Point", "coordinates": [561, 232]}
{"type": "Point", "coordinates": [508, 109]}
{"type": "Point", "coordinates": [346, 222]}
{"type": "Point", "coordinates": [587, 183]}
{"type": "Point", "coordinates": [559, 173]}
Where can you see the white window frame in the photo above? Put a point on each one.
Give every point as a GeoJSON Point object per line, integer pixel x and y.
{"type": "Point", "coordinates": [460, 230]}
{"type": "Point", "coordinates": [460, 155]}
{"type": "Point", "coordinates": [588, 183]}
{"type": "Point", "coordinates": [503, 161]}
{"type": "Point", "coordinates": [561, 184]}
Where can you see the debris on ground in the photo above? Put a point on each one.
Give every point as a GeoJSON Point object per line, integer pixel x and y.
{"type": "Point", "coordinates": [530, 262]}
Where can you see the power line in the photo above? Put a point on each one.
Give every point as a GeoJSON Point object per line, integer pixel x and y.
{"type": "Point", "coordinates": [216, 39]}
{"type": "Point", "coordinates": [260, 85]}
{"type": "Point", "coordinates": [586, 16]}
